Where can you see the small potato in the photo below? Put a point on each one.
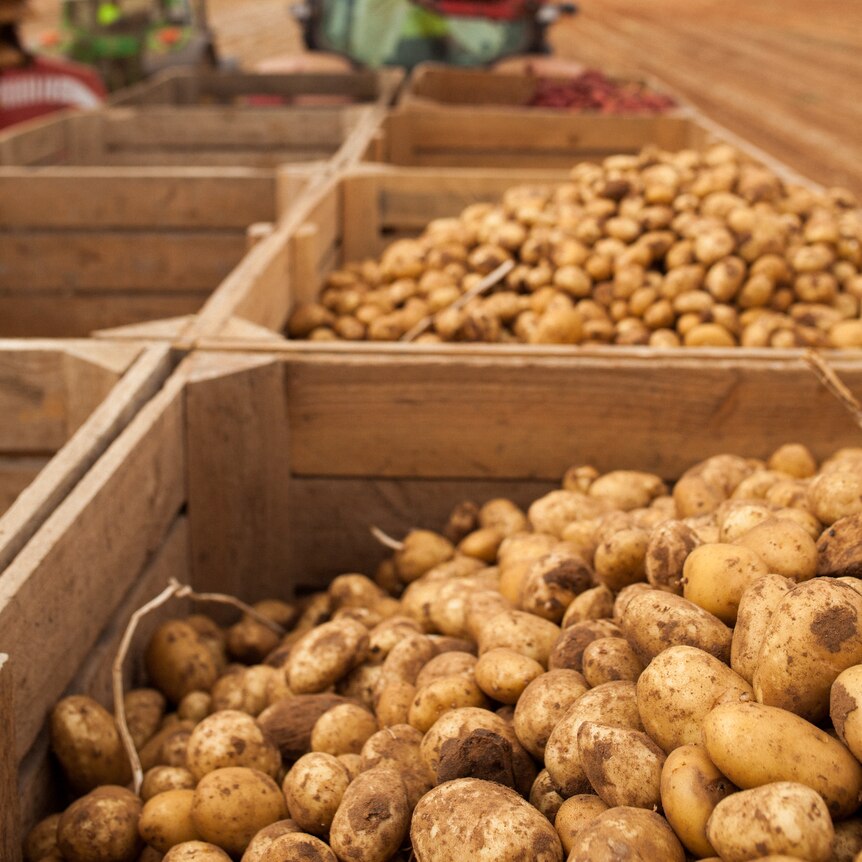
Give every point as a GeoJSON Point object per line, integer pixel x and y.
{"type": "Point", "coordinates": [521, 632]}
{"type": "Point", "coordinates": [609, 659]}
{"type": "Point", "coordinates": [627, 489]}
{"type": "Point", "coordinates": [632, 834]}
{"type": "Point", "coordinates": [343, 730]}
{"type": "Point", "coordinates": [196, 851]}
{"type": "Point", "coordinates": [794, 459]}
{"type": "Point", "coordinates": [756, 607]}
{"type": "Point", "coordinates": [483, 821]}
{"type": "Point", "coordinates": [352, 763]}
{"type": "Point", "coordinates": [848, 840]}
{"type": "Point", "coordinates": [442, 695]}
{"type": "Point", "coordinates": [543, 703]}
{"type": "Point", "coordinates": [169, 746]}
{"type": "Point", "coordinates": [668, 548]}
{"type": "Point", "coordinates": [737, 517]}
{"type": "Point", "coordinates": [593, 604]}
{"type": "Point", "coordinates": [568, 651]}
{"type": "Point", "coordinates": [544, 796]}
{"type": "Point", "coordinates": [144, 708]}
{"type": "Point", "coordinates": [614, 704]}
{"type": "Point", "coordinates": [552, 582]}
{"type": "Point", "coordinates": [679, 688]}
{"type": "Point", "coordinates": [180, 660]}
{"type": "Point", "coordinates": [230, 738]}
{"type": "Point", "coordinates": [372, 821]}
{"type": "Point", "coordinates": [503, 674]}
{"type": "Point", "coordinates": [780, 818]}
{"type": "Point", "coordinates": [246, 691]}
{"type": "Point", "coordinates": [400, 748]}
{"type": "Point", "coordinates": [784, 546]}
{"type": "Point", "coordinates": [654, 620]}
{"type": "Point", "coordinates": [232, 805]}
{"type": "Point", "coordinates": [691, 787]}
{"type": "Point", "coordinates": [620, 559]}
{"type": "Point", "coordinates": [422, 551]}
{"type": "Point", "coordinates": [313, 788]}
{"type": "Point", "coordinates": [394, 702]}
{"type": "Point", "coordinates": [326, 654]}
{"type": "Point", "coordinates": [502, 515]}
{"type": "Point", "coordinates": [552, 513]}
{"type": "Point", "coordinates": [195, 706]}
{"type": "Point", "coordinates": [297, 846]}
{"type": "Point", "coordinates": [623, 766]}
{"type": "Point", "coordinates": [447, 664]}
{"type": "Point", "coordinates": [101, 827]}
{"type": "Point", "coordinates": [813, 635]}
{"type": "Point", "coordinates": [753, 744]}
{"type": "Point", "coordinates": [166, 820]}
{"type": "Point", "coordinates": [41, 840]}
{"type": "Point", "coordinates": [716, 575]}
{"type": "Point", "coordinates": [160, 779]}
{"type": "Point", "coordinates": [482, 544]}
{"type": "Point", "coordinates": [87, 744]}
{"type": "Point", "coordinates": [845, 700]}
{"type": "Point", "coordinates": [575, 813]}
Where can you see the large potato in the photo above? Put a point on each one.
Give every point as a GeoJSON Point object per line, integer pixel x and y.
{"type": "Point", "coordinates": [482, 821]}
{"type": "Point", "coordinates": [679, 688]}
{"type": "Point", "coordinates": [845, 700]}
{"type": "Point", "coordinates": [836, 493]}
{"type": "Point", "coordinates": [87, 744]}
{"type": "Point", "coordinates": [399, 746]}
{"type": "Point", "coordinates": [230, 738]}
{"type": "Point", "coordinates": [264, 839]}
{"type": "Point", "coordinates": [632, 834]}
{"type": "Point", "coordinates": [609, 659]}
{"type": "Point", "coordinates": [544, 702]}
{"type": "Point", "coordinates": [326, 654]}
{"type": "Point", "coordinates": [814, 634]}
{"type": "Point", "coordinates": [753, 744]}
{"type": "Point", "coordinates": [166, 820]}
{"type": "Point", "coordinates": [691, 787]}
{"type": "Point", "coordinates": [780, 818]}
{"type": "Point", "coordinates": [180, 660]}
{"type": "Point", "coordinates": [785, 547]}
{"type": "Point", "coordinates": [756, 607]}
{"type": "Point", "coordinates": [654, 620]}
{"type": "Point", "coordinates": [313, 790]}
{"type": "Point", "coordinates": [101, 827]}
{"type": "Point", "coordinates": [232, 805]}
{"type": "Point", "coordinates": [373, 818]}
{"type": "Point", "coordinates": [623, 766]}
{"type": "Point", "coordinates": [613, 704]}
{"type": "Point", "coordinates": [524, 633]}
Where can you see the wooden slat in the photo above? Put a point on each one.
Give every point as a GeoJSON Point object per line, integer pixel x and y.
{"type": "Point", "coordinates": [148, 261]}
{"type": "Point", "coordinates": [10, 842]}
{"type": "Point", "coordinates": [57, 315]}
{"type": "Point", "coordinates": [160, 198]}
{"type": "Point", "coordinates": [237, 477]}
{"type": "Point", "coordinates": [227, 158]}
{"type": "Point", "coordinates": [532, 417]}
{"type": "Point", "coordinates": [40, 141]}
{"type": "Point", "coordinates": [16, 473]}
{"type": "Point", "coordinates": [62, 589]}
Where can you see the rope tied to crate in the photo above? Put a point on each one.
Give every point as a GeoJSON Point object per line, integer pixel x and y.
{"type": "Point", "coordinates": [174, 590]}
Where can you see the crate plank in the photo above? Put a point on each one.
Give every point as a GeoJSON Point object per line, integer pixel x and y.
{"type": "Point", "coordinates": [16, 473]}
{"type": "Point", "coordinates": [10, 843]}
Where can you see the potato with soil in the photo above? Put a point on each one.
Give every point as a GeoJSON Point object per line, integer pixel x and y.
{"type": "Point", "coordinates": [568, 651]}
{"type": "Point", "coordinates": [265, 838]}
{"type": "Point", "coordinates": [230, 738]}
{"type": "Point", "coordinates": [343, 729]}
{"type": "Point", "coordinates": [541, 706]}
{"type": "Point", "coordinates": [784, 546]}
{"type": "Point", "coordinates": [325, 655]}
{"type": "Point", "coordinates": [524, 633]}
{"type": "Point", "coordinates": [196, 851]}
{"type": "Point", "coordinates": [41, 840]}
{"type": "Point", "coordinates": [87, 744]}
{"type": "Point", "coordinates": [552, 582]}
{"type": "Point", "coordinates": [544, 796]}
{"type": "Point", "coordinates": [166, 820]}
{"type": "Point", "coordinates": [296, 845]}
{"type": "Point", "coordinates": [667, 550]}
{"type": "Point", "coordinates": [779, 818]}
{"type": "Point", "coordinates": [483, 821]}
{"type": "Point", "coordinates": [574, 814]}
{"type": "Point", "coordinates": [180, 660]}
{"type": "Point", "coordinates": [313, 790]}
{"type": "Point", "coordinates": [372, 820]}
{"type": "Point", "coordinates": [232, 805]}
{"type": "Point", "coordinates": [753, 744]}
{"type": "Point", "coordinates": [504, 674]}
{"type": "Point", "coordinates": [839, 548]}
{"type": "Point", "coordinates": [633, 834]}
{"type": "Point", "coordinates": [101, 827]}
{"type": "Point", "coordinates": [814, 634]}
{"type": "Point", "coordinates": [144, 709]}
{"type": "Point", "coordinates": [441, 696]}
{"type": "Point", "coordinates": [399, 747]}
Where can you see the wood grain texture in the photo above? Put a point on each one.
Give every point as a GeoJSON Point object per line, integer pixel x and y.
{"type": "Point", "coordinates": [10, 812]}
{"type": "Point", "coordinates": [16, 473]}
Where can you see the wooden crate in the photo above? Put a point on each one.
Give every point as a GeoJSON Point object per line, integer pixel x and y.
{"type": "Point", "coordinates": [194, 87]}
{"type": "Point", "coordinates": [256, 473]}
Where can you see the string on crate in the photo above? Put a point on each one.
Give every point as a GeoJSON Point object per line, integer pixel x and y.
{"type": "Point", "coordinates": [385, 539]}
{"type": "Point", "coordinates": [827, 375]}
{"type": "Point", "coordinates": [174, 590]}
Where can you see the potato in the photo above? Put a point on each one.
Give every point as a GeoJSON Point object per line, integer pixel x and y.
{"type": "Point", "coordinates": [343, 729]}
{"type": "Point", "coordinates": [613, 704]}
{"type": "Point", "coordinates": [266, 837]}
{"type": "Point", "coordinates": [313, 789]}
{"type": "Point", "coordinates": [503, 674]}
{"type": "Point", "coordinates": [289, 722]}
{"type": "Point", "coordinates": [447, 664]}
{"type": "Point", "coordinates": [836, 493]}
{"type": "Point", "coordinates": [780, 818]}
{"type": "Point", "coordinates": [552, 513]}
{"type": "Point", "coordinates": [482, 821]}
{"type": "Point", "coordinates": [180, 660]}
{"type": "Point", "coordinates": [756, 607]}
{"type": "Point", "coordinates": [813, 635]}
{"type": "Point", "coordinates": [568, 651]}
{"type": "Point", "coordinates": [393, 703]}
{"type": "Point", "coordinates": [737, 516]}
{"type": "Point", "coordinates": [627, 489]}
{"type": "Point", "coordinates": [838, 548]}
{"type": "Point", "coordinates": [593, 604]}
{"type": "Point", "coordinates": [361, 684]}
{"type": "Point", "coordinates": [844, 701]}
{"type": "Point", "coordinates": [784, 546]}
{"type": "Point", "coordinates": [623, 766]}
{"type": "Point", "coordinates": [632, 834]}
{"type": "Point", "coordinates": [753, 744]}
{"type": "Point", "coordinates": [297, 846]}
{"type": "Point", "coordinates": [669, 545]}
{"type": "Point", "coordinates": [101, 827]}
{"type": "Point", "coordinates": [575, 813]}
{"type": "Point", "coordinates": [422, 551]}
{"type": "Point", "coordinates": [407, 658]}
{"type": "Point", "coordinates": [542, 704]}
{"type": "Point", "coordinates": [385, 635]}
{"type": "Point", "coordinates": [609, 659]}
{"type": "Point", "coordinates": [400, 748]}
{"type": "Point", "coordinates": [679, 688]}
{"type": "Point", "coordinates": [169, 746]}
{"type": "Point", "coordinates": [461, 723]}
{"type": "Point", "coordinates": [233, 804]}
{"type": "Point", "coordinates": [248, 690]}
{"type": "Point", "coordinates": [794, 459]}
{"type": "Point", "coordinates": [144, 708]}
{"type": "Point", "coordinates": [441, 696]}
{"type": "Point", "coordinates": [160, 779]}
{"type": "Point", "coordinates": [524, 633]}
{"type": "Point", "coordinates": [41, 840]}
{"type": "Point", "coordinates": [544, 796]}
{"type": "Point", "coordinates": [372, 820]}
{"type": "Point", "coordinates": [325, 655]}
{"type": "Point", "coordinates": [848, 840]}
{"type": "Point", "coordinates": [620, 559]}
{"type": "Point", "coordinates": [551, 583]}
{"type": "Point", "coordinates": [230, 738]}
{"type": "Point", "coordinates": [654, 620]}
{"type": "Point", "coordinates": [691, 787]}
{"type": "Point", "coordinates": [166, 820]}
{"type": "Point", "coordinates": [196, 851]}
{"type": "Point", "coordinates": [716, 575]}
{"type": "Point", "coordinates": [195, 706]}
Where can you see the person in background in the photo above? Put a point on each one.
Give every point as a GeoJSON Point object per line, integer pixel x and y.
{"type": "Point", "coordinates": [30, 85]}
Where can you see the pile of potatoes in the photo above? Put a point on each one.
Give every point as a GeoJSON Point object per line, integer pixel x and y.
{"type": "Point", "coordinates": [620, 671]}
{"type": "Point", "coordinates": [694, 249]}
